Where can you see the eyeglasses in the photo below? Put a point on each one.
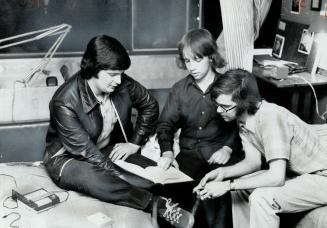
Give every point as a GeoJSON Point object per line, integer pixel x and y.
{"type": "Point", "coordinates": [225, 109]}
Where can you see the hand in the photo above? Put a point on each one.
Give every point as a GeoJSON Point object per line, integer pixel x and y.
{"type": "Point", "coordinates": [221, 156]}
{"type": "Point", "coordinates": [214, 189]}
{"type": "Point", "coordinates": [166, 160]}
{"type": "Point", "coordinates": [214, 175]}
{"type": "Point", "coordinates": [123, 150]}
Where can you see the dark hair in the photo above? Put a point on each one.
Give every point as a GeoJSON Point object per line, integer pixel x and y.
{"type": "Point", "coordinates": [243, 87]}
{"type": "Point", "coordinates": [103, 53]}
{"type": "Point", "coordinates": [202, 44]}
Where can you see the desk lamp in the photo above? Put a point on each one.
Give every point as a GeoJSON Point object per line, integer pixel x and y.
{"type": "Point", "coordinates": [60, 30]}
{"type": "Point", "coordinates": [319, 27]}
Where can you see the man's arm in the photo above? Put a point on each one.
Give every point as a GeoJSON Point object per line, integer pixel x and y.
{"type": "Point", "coordinates": [167, 127]}
{"type": "Point", "coordinates": [168, 122]}
{"type": "Point", "coordinates": [273, 177]}
{"type": "Point", "coordinates": [232, 144]}
{"type": "Point", "coordinates": [148, 112]}
{"type": "Point", "coordinates": [250, 164]}
{"type": "Point", "coordinates": [147, 116]}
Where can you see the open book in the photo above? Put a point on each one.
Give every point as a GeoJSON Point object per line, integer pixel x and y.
{"type": "Point", "coordinates": [155, 173]}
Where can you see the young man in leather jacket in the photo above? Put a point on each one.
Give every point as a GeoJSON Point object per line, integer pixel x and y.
{"type": "Point", "coordinates": [90, 128]}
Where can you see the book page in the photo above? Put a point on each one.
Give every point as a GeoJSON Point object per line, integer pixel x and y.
{"type": "Point", "coordinates": [155, 173]}
{"type": "Point", "coordinates": [171, 175]}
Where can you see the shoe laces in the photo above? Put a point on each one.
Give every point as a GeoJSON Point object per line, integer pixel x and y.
{"type": "Point", "coordinates": [172, 212]}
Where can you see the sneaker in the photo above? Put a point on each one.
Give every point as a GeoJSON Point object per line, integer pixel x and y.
{"type": "Point", "coordinates": [175, 215]}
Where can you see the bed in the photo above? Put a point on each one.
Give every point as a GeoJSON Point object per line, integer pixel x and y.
{"type": "Point", "coordinates": [21, 150]}
{"type": "Point", "coordinates": [72, 212]}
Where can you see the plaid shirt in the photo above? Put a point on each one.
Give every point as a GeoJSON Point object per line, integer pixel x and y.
{"type": "Point", "coordinates": [277, 133]}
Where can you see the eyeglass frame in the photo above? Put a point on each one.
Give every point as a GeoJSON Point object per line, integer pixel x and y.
{"type": "Point", "coordinates": [225, 109]}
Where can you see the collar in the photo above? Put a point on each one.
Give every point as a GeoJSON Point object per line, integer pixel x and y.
{"type": "Point", "coordinates": [190, 81]}
{"type": "Point", "coordinates": [89, 100]}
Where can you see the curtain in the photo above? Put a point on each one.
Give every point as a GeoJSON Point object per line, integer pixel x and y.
{"type": "Point", "coordinates": [242, 20]}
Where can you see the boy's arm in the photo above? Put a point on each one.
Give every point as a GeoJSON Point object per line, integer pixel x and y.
{"type": "Point", "coordinates": [168, 123]}
{"type": "Point", "coordinates": [273, 177]}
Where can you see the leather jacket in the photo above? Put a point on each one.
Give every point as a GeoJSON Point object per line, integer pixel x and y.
{"type": "Point", "coordinates": [76, 121]}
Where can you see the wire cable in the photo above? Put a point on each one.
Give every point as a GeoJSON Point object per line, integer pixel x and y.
{"type": "Point", "coordinates": [321, 116]}
{"type": "Point", "coordinates": [15, 220]}
{"type": "Point", "coordinates": [5, 200]}
{"type": "Point", "coordinates": [7, 175]}
{"type": "Point", "coordinates": [9, 197]}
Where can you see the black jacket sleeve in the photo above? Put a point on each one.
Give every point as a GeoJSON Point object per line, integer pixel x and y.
{"type": "Point", "coordinates": [147, 112]}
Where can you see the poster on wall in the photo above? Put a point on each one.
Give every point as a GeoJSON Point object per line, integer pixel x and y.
{"type": "Point", "coordinates": [305, 42]}
{"type": "Point", "coordinates": [295, 6]}
{"type": "Point", "coordinates": [278, 46]}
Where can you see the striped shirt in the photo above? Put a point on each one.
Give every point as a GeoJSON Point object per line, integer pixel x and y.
{"type": "Point", "coordinates": [241, 22]}
{"type": "Point", "coordinates": [277, 133]}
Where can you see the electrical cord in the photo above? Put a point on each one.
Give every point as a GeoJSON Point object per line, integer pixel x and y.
{"type": "Point", "coordinates": [15, 207]}
{"type": "Point", "coordinates": [15, 220]}
{"type": "Point", "coordinates": [7, 175]}
{"type": "Point", "coordinates": [9, 197]}
{"type": "Point", "coordinates": [5, 200]}
{"type": "Point", "coordinates": [321, 116]}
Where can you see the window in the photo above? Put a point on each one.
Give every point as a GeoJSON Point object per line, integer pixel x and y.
{"type": "Point", "coordinates": [141, 25]}
{"type": "Point", "coordinates": [159, 25]}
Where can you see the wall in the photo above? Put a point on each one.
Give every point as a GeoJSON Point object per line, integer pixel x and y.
{"type": "Point", "coordinates": [22, 104]}
{"type": "Point", "coordinates": [307, 16]}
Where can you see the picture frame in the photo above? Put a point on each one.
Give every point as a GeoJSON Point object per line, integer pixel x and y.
{"type": "Point", "coordinates": [295, 6]}
{"type": "Point", "coordinates": [316, 5]}
{"type": "Point", "coordinates": [277, 49]}
{"type": "Point", "coordinates": [305, 42]}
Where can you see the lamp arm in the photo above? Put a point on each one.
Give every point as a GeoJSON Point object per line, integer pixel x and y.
{"type": "Point", "coordinates": [44, 33]}
{"type": "Point", "coordinates": [48, 56]}
{"type": "Point", "coordinates": [61, 30]}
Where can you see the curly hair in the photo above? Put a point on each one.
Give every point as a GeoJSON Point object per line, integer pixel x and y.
{"type": "Point", "coordinates": [243, 87]}
{"type": "Point", "coordinates": [202, 44]}
{"type": "Point", "coordinates": [103, 53]}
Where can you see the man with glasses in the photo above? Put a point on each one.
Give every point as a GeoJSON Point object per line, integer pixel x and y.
{"type": "Point", "coordinates": [287, 144]}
